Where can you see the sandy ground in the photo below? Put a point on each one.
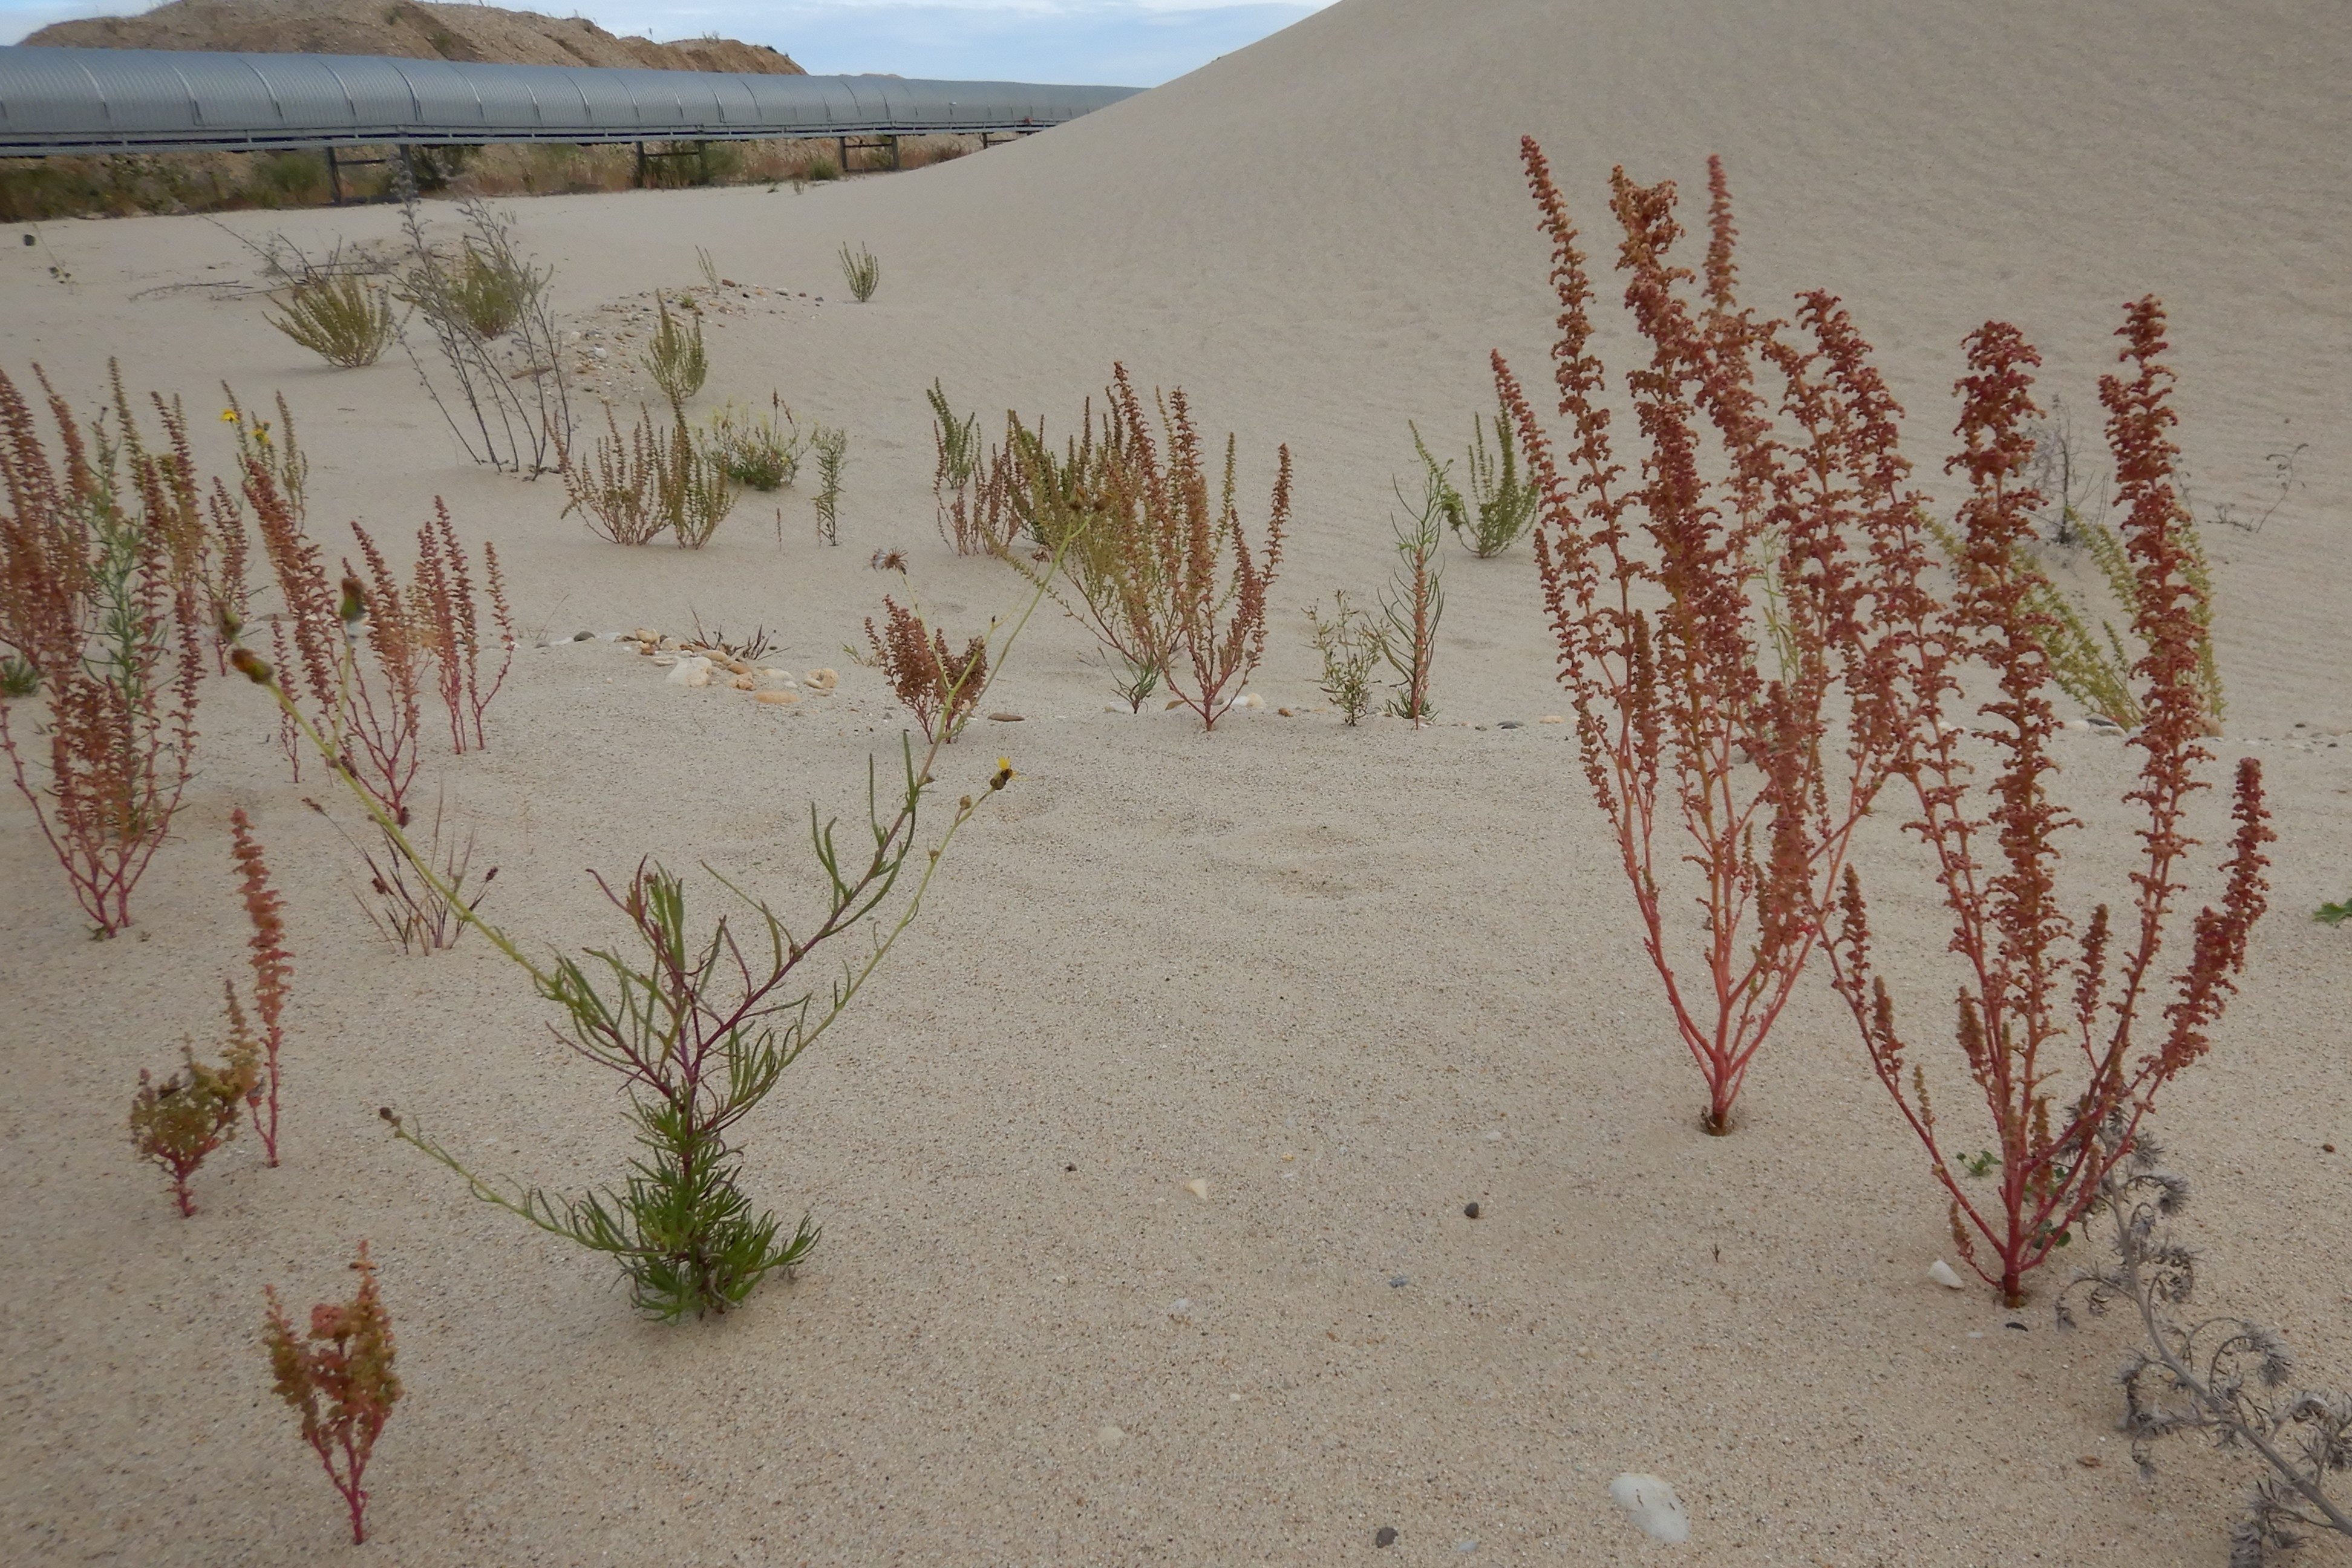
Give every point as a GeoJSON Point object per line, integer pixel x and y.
{"type": "Point", "coordinates": [1352, 979]}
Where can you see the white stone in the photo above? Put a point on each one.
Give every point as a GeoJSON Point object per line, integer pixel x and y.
{"type": "Point", "coordinates": [1197, 1187]}
{"type": "Point", "coordinates": [1108, 1437]}
{"type": "Point", "coordinates": [690, 672]}
{"type": "Point", "coordinates": [1941, 1273]}
{"type": "Point", "coordinates": [1650, 1502]}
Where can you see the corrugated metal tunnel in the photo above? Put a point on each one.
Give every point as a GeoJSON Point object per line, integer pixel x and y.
{"type": "Point", "coordinates": [118, 100]}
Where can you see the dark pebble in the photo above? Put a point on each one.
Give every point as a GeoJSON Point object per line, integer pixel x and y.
{"type": "Point", "coordinates": [1384, 1536]}
{"type": "Point", "coordinates": [1069, 1167]}
{"type": "Point", "coordinates": [1005, 718]}
{"type": "Point", "coordinates": [583, 637]}
{"type": "Point", "coordinates": [1470, 1211]}
{"type": "Point", "coordinates": [2327, 1148]}
{"type": "Point", "coordinates": [1396, 1281]}
{"type": "Point", "coordinates": [1509, 724]}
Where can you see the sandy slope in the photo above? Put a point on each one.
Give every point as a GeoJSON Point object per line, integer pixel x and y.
{"type": "Point", "coordinates": [1400, 959]}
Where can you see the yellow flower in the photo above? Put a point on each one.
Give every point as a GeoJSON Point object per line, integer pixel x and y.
{"type": "Point", "coordinates": [228, 416]}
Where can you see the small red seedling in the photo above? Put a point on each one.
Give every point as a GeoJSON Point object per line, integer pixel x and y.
{"type": "Point", "coordinates": [340, 1380]}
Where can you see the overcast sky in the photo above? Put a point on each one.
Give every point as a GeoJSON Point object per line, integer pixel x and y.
{"type": "Point", "coordinates": [1136, 43]}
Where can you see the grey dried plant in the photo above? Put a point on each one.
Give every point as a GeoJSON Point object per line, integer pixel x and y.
{"type": "Point", "coordinates": [2223, 1376]}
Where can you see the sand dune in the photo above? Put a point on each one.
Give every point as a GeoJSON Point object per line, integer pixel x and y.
{"type": "Point", "coordinates": [1403, 960]}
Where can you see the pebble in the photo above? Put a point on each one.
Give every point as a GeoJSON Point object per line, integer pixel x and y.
{"type": "Point", "coordinates": [1004, 719]}
{"type": "Point", "coordinates": [661, 659]}
{"type": "Point", "coordinates": [1108, 1437]}
{"type": "Point", "coordinates": [646, 634]}
{"type": "Point", "coordinates": [1551, 719]}
{"type": "Point", "coordinates": [1180, 1308]}
{"type": "Point", "coordinates": [690, 672]}
{"type": "Point", "coordinates": [1282, 712]}
{"type": "Point", "coordinates": [1197, 1187]}
{"type": "Point", "coordinates": [743, 682]}
{"type": "Point", "coordinates": [1397, 1281]}
{"type": "Point", "coordinates": [1941, 1273]}
{"type": "Point", "coordinates": [823, 679]}
{"type": "Point", "coordinates": [1471, 1211]}
{"type": "Point", "coordinates": [1249, 699]}
{"type": "Point", "coordinates": [775, 699]}
{"type": "Point", "coordinates": [1384, 1536]}
{"type": "Point", "coordinates": [1507, 724]}
{"type": "Point", "coordinates": [583, 637]}
{"type": "Point", "coordinates": [1654, 1509]}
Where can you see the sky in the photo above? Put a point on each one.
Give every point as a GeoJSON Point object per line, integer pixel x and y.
{"type": "Point", "coordinates": [1132, 42]}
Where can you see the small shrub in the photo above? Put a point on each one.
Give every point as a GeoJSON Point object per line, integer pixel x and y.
{"type": "Point", "coordinates": [414, 914]}
{"type": "Point", "coordinates": [940, 689]}
{"type": "Point", "coordinates": [862, 271]}
{"type": "Point", "coordinates": [1415, 599]}
{"type": "Point", "coordinates": [2033, 983]}
{"type": "Point", "coordinates": [968, 521]}
{"type": "Point", "coordinates": [175, 1124]}
{"type": "Point", "coordinates": [2334, 914]}
{"type": "Point", "coordinates": [697, 493]}
{"type": "Point", "coordinates": [832, 448]}
{"type": "Point", "coordinates": [504, 393]}
{"type": "Point", "coordinates": [1351, 646]}
{"type": "Point", "coordinates": [339, 1377]}
{"type": "Point", "coordinates": [758, 451]}
{"type": "Point", "coordinates": [344, 319]}
{"type": "Point", "coordinates": [820, 170]}
{"type": "Point", "coordinates": [675, 358]}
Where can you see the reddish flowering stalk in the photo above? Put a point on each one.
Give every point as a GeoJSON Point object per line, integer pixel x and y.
{"type": "Point", "coordinates": [2032, 986]}
{"type": "Point", "coordinates": [273, 968]}
{"type": "Point", "coordinates": [340, 1380]}
{"type": "Point", "coordinates": [1793, 538]}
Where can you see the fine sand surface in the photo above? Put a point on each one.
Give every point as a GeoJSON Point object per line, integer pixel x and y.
{"type": "Point", "coordinates": [1351, 980]}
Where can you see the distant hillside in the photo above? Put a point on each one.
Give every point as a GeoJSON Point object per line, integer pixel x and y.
{"type": "Point", "coordinates": [411, 29]}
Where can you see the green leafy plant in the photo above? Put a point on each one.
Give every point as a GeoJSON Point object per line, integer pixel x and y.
{"type": "Point", "coordinates": [339, 1378]}
{"type": "Point", "coordinates": [1415, 600]}
{"type": "Point", "coordinates": [758, 451]}
{"type": "Point", "coordinates": [344, 319]}
{"type": "Point", "coordinates": [861, 271]}
{"type": "Point", "coordinates": [969, 491]}
{"type": "Point", "coordinates": [2334, 914]}
{"type": "Point", "coordinates": [1502, 501]}
{"type": "Point", "coordinates": [177, 1123]}
{"type": "Point", "coordinates": [832, 447]}
{"type": "Point", "coordinates": [1350, 646]}
{"type": "Point", "coordinates": [674, 357]}
{"type": "Point", "coordinates": [699, 1027]}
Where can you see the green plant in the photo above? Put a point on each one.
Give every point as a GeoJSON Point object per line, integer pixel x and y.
{"type": "Point", "coordinates": [675, 358]}
{"type": "Point", "coordinates": [2033, 987]}
{"type": "Point", "coordinates": [969, 521]}
{"type": "Point", "coordinates": [1502, 501]}
{"type": "Point", "coordinates": [2334, 914]}
{"type": "Point", "coordinates": [344, 319]}
{"type": "Point", "coordinates": [1350, 645]}
{"type": "Point", "coordinates": [758, 451]}
{"type": "Point", "coordinates": [819, 169]}
{"type": "Point", "coordinates": [1981, 1163]}
{"type": "Point", "coordinates": [832, 448]}
{"type": "Point", "coordinates": [697, 493]}
{"type": "Point", "coordinates": [861, 272]}
{"type": "Point", "coordinates": [1415, 600]}
{"type": "Point", "coordinates": [701, 1030]}
{"type": "Point", "coordinates": [939, 688]}
{"type": "Point", "coordinates": [175, 1124]}
{"type": "Point", "coordinates": [340, 1379]}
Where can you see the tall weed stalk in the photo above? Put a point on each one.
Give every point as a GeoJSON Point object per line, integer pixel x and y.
{"type": "Point", "coordinates": [501, 385]}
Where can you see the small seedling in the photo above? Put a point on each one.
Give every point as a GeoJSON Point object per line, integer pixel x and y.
{"type": "Point", "coordinates": [832, 458]}
{"type": "Point", "coordinates": [2334, 914]}
{"type": "Point", "coordinates": [1983, 1163]}
{"type": "Point", "coordinates": [1350, 645]}
{"type": "Point", "coordinates": [339, 1379]}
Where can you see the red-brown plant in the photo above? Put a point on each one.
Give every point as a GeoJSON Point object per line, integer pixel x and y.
{"type": "Point", "coordinates": [92, 619]}
{"type": "Point", "coordinates": [448, 622]}
{"type": "Point", "coordinates": [1210, 582]}
{"type": "Point", "coordinates": [273, 971]}
{"type": "Point", "coordinates": [2031, 985]}
{"type": "Point", "coordinates": [941, 688]}
{"type": "Point", "coordinates": [1724, 784]}
{"type": "Point", "coordinates": [339, 1378]}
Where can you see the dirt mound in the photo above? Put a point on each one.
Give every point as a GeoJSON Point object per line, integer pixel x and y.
{"type": "Point", "coordinates": [406, 28]}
